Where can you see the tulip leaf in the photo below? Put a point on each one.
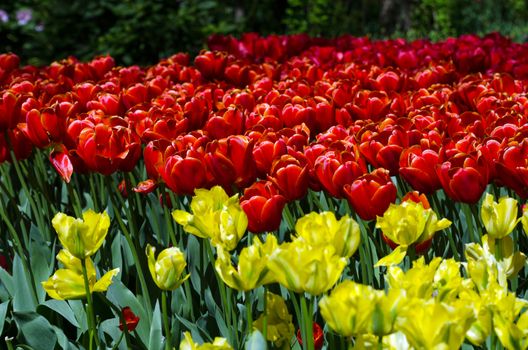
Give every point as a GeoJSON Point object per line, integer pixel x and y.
{"type": "Point", "coordinates": [121, 296]}
{"type": "Point", "coordinates": [62, 308]}
{"type": "Point", "coordinates": [3, 313]}
{"type": "Point", "coordinates": [62, 339]}
{"type": "Point", "coordinates": [155, 337]}
{"type": "Point", "coordinates": [80, 315]}
{"type": "Point", "coordinates": [111, 327]}
{"type": "Point", "coordinates": [7, 281]}
{"type": "Point", "coordinates": [256, 341]}
{"type": "Point", "coordinates": [36, 330]}
{"type": "Point", "coordinates": [39, 253]}
{"type": "Point", "coordinates": [117, 257]}
{"type": "Point", "coordinates": [22, 299]}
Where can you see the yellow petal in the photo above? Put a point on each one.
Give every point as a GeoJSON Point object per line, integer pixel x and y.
{"type": "Point", "coordinates": [105, 281]}
{"type": "Point", "coordinates": [393, 258]}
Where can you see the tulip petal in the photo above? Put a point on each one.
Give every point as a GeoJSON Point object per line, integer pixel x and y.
{"type": "Point", "coordinates": [393, 258]}
{"type": "Point", "coordinates": [105, 281]}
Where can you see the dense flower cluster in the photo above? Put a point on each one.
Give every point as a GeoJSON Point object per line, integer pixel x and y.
{"type": "Point", "coordinates": [274, 116]}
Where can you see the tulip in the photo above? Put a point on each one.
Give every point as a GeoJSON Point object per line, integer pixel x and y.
{"type": "Point", "coordinates": [464, 177]}
{"type": "Point", "coordinates": [353, 309]}
{"type": "Point", "coordinates": [215, 216]}
{"type": "Point", "coordinates": [278, 321]}
{"type": "Point", "coordinates": [406, 224]}
{"type": "Point", "coordinates": [435, 325]}
{"type": "Point", "coordinates": [218, 344]}
{"type": "Point", "coordinates": [131, 320]}
{"type": "Point", "coordinates": [321, 229]}
{"type": "Point", "coordinates": [167, 270]}
{"type": "Point", "coordinates": [184, 175]}
{"type": "Point", "coordinates": [524, 218]}
{"type": "Point", "coordinates": [82, 237]}
{"type": "Point", "coordinates": [68, 283]}
{"type": "Point", "coordinates": [318, 336]}
{"type": "Point", "coordinates": [500, 218]}
{"type": "Point", "coordinates": [263, 206]}
{"type": "Point", "coordinates": [302, 268]}
{"type": "Point", "coordinates": [417, 167]}
{"type": "Point", "coordinates": [290, 177]}
{"type": "Point", "coordinates": [371, 194]}
{"type": "Point", "coordinates": [252, 270]}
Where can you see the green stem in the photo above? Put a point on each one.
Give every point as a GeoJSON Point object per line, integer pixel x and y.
{"type": "Point", "coordinates": [166, 320]}
{"type": "Point", "coordinates": [90, 311]}
{"type": "Point", "coordinates": [137, 262]}
{"type": "Point", "coordinates": [249, 316]}
{"type": "Point", "coordinates": [265, 316]}
{"type": "Point", "coordinates": [308, 341]}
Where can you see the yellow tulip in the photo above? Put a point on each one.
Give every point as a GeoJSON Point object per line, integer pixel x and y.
{"type": "Point", "coordinates": [435, 325]}
{"type": "Point", "coordinates": [319, 229]}
{"type": "Point", "coordinates": [82, 237]}
{"type": "Point", "coordinates": [354, 309]}
{"type": "Point", "coordinates": [417, 282]}
{"type": "Point", "coordinates": [252, 270]}
{"type": "Point", "coordinates": [500, 218]}
{"type": "Point", "coordinates": [512, 335]}
{"type": "Point", "coordinates": [68, 283]}
{"type": "Point", "coordinates": [405, 224]}
{"type": "Point", "coordinates": [218, 344]}
{"type": "Point", "coordinates": [167, 270]}
{"type": "Point", "coordinates": [302, 268]}
{"type": "Point", "coordinates": [215, 216]}
{"type": "Point", "coordinates": [280, 328]}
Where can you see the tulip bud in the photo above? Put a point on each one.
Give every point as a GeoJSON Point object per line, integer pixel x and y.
{"type": "Point", "coordinates": [167, 270]}
{"type": "Point", "coordinates": [500, 218]}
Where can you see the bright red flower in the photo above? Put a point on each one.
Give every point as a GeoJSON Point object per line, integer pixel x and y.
{"type": "Point", "coordinates": [464, 177]}
{"type": "Point", "coordinates": [185, 174]}
{"type": "Point", "coordinates": [318, 336]}
{"type": "Point", "coordinates": [131, 320]}
{"type": "Point", "coordinates": [418, 168]}
{"type": "Point", "coordinates": [211, 64]}
{"type": "Point", "coordinates": [371, 194]}
{"type": "Point", "coordinates": [512, 168]}
{"type": "Point", "coordinates": [290, 177]}
{"type": "Point", "coordinates": [263, 206]}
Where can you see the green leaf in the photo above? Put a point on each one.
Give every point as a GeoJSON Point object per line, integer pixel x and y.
{"type": "Point", "coordinates": [121, 296]}
{"type": "Point", "coordinates": [80, 316]}
{"type": "Point", "coordinates": [3, 313]}
{"type": "Point", "coordinates": [155, 338]}
{"type": "Point", "coordinates": [256, 341]}
{"type": "Point", "coordinates": [22, 299]}
{"type": "Point", "coordinates": [39, 254]}
{"type": "Point", "coordinates": [62, 339]}
{"type": "Point", "coordinates": [36, 330]}
{"type": "Point", "coordinates": [62, 308]}
{"type": "Point", "coordinates": [7, 281]}
{"type": "Point", "coordinates": [111, 327]}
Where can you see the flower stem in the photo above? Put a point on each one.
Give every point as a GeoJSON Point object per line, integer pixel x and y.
{"type": "Point", "coordinates": [249, 316]}
{"type": "Point", "coordinates": [308, 341]}
{"type": "Point", "coordinates": [164, 310]}
{"type": "Point", "coordinates": [90, 311]}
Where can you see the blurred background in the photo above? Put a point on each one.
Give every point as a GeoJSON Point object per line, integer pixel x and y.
{"type": "Point", "coordinates": [143, 31]}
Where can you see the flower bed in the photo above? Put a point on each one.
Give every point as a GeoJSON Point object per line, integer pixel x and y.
{"type": "Point", "coordinates": [349, 192]}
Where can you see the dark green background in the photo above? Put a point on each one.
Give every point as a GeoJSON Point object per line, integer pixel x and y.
{"type": "Point", "coordinates": [143, 31]}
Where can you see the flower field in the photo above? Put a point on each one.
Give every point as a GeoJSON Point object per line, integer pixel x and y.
{"type": "Point", "coordinates": [279, 192]}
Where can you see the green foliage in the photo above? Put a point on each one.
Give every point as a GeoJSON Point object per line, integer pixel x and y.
{"type": "Point", "coordinates": [142, 31]}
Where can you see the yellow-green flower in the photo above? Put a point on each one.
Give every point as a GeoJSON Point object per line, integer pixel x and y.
{"type": "Point", "coordinates": [82, 237]}
{"type": "Point", "coordinates": [500, 218]}
{"type": "Point", "coordinates": [68, 282]}
{"type": "Point", "coordinates": [280, 328]}
{"type": "Point", "coordinates": [252, 270]}
{"type": "Point", "coordinates": [168, 269]}
{"type": "Point", "coordinates": [405, 224]}
{"type": "Point", "coordinates": [319, 229]}
{"type": "Point", "coordinates": [302, 268]}
{"type": "Point", "coordinates": [354, 309]}
{"type": "Point", "coordinates": [218, 344]}
{"type": "Point", "coordinates": [215, 216]}
{"type": "Point", "coordinates": [512, 335]}
{"type": "Point", "coordinates": [435, 325]}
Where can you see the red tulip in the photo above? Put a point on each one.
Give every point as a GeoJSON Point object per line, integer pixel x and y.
{"type": "Point", "coordinates": [335, 169]}
{"type": "Point", "coordinates": [131, 320]}
{"type": "Point", "coordinates": [211, 64]}
{"type": "Point", "coordinates": [318, 336]}
{"type": "Point", "coordinates": [464, 177]}
{"type": "Point", "coordinates": [371, 194]}
{"type": "Point", "coordinates": [225, 123]}
{"type": "Point", "coordinates": [290, 177]}
{"type": "Point", "coordinates": [418, 168]}
{"type": "Point", "coordinates": [512, 168]}
{"type": "Point", "coordinates": [263, 206]}
{"type": "Point", "coordinates": [185, 174]}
